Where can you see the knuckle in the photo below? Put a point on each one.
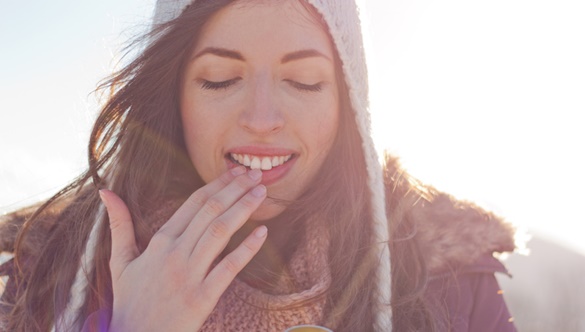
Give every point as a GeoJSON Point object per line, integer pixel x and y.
{"type": "Point", "coordinates": [174, 266]}
{"type": "Point", "coordinates": [197, 297]}
{"type": "Point", "coordinates": [115, 223]}
{"type": "Point", "coordinates": [243, 182]}
{"type": "Point", "coordinates": [214, 206]}
{"type": "Point", "coordinates": [114, 226]}
{"type": "Point", "coordinates": [176, 277]}
{"type": "Point", "coordinates": [232, 265]}
{"type": "Point", "coordinates": [175, 258]}
{"type": "Point", "coordinates": [248, 202]}
{"type": "Point", "coordinates": [203, 293]}
{"type": "Point", "coordinates": [197, 199]}
{"type": "Point", "coordinates": [219, 229]}
{"type": "Point", "coordinates": [249, 248]}
{"type": "Point", "coordinates": [159, 241]}
{"type": "Point", "coordinates": [226, 178]}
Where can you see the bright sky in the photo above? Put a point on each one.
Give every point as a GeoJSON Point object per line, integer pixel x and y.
{"type": "Point", "coordinates": [483, 99]}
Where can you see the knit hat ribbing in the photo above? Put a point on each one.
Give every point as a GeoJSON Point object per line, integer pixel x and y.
{"type": "Point", "coordinates": [342, 18]}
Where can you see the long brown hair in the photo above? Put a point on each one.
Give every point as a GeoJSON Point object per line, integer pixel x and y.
{"type": "Point", "coordinates": [138, 134]}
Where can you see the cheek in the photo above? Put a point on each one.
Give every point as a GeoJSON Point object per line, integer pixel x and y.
{"type": "Point", "coordinates": [326, 124]}
{"type": "Point", "coordinates": [195, 135]}
{"type": "Point", "coordinates": [191, 134]}
{"type": "Point", "coordinates": [192, 131]}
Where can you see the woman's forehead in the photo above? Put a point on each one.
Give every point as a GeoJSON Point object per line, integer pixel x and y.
{"type": "Point", "coordinates": [265, 25]}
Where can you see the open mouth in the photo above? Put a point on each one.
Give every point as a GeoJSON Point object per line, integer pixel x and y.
{"type": "Point", "coordinates": [264, 163]}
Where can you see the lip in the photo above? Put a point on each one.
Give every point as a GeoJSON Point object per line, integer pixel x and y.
{"type": "Point", "coordinates": [276, 173]}
{"type": "Point", "coordinates": [262, 151]}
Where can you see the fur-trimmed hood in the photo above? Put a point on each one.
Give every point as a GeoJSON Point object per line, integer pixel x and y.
{"type": "Point", "coordinates": [450, 233]}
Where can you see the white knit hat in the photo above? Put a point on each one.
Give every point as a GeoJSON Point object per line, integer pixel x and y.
{"type": "Point", "coordinates": [343, 19]}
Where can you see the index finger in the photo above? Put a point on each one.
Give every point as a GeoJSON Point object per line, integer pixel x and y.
{"type": "Point", "coordinates": [177, 224]}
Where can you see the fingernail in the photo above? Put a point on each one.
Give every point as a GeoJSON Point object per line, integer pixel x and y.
{"type": "Point", "coordinates": [259, 191]}
{"type": "Point", "coordinates": [238, 170]}
{"type": "Point", "coordinates": [255, 174]}
{"type": "Point", "coordinates": [261, 231]}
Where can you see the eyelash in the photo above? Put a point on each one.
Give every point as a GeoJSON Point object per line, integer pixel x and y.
{"type": "Point", "coordinates": [306, 87]}
{"type": "Point", "coordinates": [210, 85]}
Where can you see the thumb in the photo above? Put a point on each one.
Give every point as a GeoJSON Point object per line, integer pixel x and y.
{"type": "Point", "coordinates": [124, 249]}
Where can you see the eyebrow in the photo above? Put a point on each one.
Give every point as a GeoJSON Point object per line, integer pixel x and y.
{"type": "Point", "coordinates": [230, 54]}
{"type": "Point", "coordinates": [221, 52]}
{"type": "Point", "coordinates": [302, 54]}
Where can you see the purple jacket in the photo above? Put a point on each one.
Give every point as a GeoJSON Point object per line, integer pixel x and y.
{"type": "Point", "coordinates": [471, 299]}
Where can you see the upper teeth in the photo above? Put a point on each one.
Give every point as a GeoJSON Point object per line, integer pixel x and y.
{"type": "Point", "coordinates": [263, 163]}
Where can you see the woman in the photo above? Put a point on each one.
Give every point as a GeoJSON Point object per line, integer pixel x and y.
{"type": "Point", "coordinates": [241, 191]}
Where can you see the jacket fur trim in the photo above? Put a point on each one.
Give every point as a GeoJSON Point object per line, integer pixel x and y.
{"type": "Point", "coordinates": [449, 232]}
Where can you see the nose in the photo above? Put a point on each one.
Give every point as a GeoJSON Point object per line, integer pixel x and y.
{"type": "Point", "coordinates": [261, 114]}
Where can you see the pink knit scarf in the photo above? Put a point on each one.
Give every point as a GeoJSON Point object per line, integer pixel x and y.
{"type": "Point", "coordinates": [298, 297]}
{"type": "Point", "coordinates": [297, 301]}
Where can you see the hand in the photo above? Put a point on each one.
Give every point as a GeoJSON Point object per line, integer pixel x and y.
{"type": "Point", "coordinates": [174, 285]}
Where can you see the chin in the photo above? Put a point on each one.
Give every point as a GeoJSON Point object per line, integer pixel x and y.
{"type": "Point", "coordinates": [266, 211]}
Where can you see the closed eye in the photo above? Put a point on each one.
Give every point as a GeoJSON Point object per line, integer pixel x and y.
{"type": "Point", "coordinates": [211, 85]}
{"type": "Point", "coordinates": [305, 87]}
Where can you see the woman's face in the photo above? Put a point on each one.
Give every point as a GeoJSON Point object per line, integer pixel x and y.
{"type": "Point", "coordinates": [260, 90]}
